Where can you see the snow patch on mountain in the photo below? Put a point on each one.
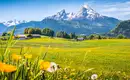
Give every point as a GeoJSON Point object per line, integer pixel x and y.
{"type": "Point", "coordinates": [85, 12]}
{"type": "Point", "coordinates": [13, 22]}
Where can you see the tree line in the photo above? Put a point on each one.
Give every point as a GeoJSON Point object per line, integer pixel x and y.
{"type": "Point", "coordinates": [62, 34]}
{"type": "Point", "coordinates": [45, 31]}
{"type": "Point", "coordinates": [49, 32]}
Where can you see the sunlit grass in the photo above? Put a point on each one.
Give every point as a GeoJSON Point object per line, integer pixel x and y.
{"type": "Point", "coordinates": [109, 59]}
{"type": "Point", "coordinates": [103, 55]}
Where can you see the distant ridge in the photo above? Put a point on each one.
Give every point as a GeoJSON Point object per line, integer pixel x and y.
{"type": "Point", "coordinates": [122, 28]}
{"type": "Point", "coordinates": [85, 21]}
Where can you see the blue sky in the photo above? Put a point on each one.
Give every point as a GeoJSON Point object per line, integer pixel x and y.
{"type": "Point", "coordinates": [38, 9]}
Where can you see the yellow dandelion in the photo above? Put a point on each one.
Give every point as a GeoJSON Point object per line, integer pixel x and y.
{"type": "Point", "coordinates": [28, 56]}
{"type": "Point", "coordinates": [44, 65]}
{"type": "Point", "coordinates": [48, 66]}
{"type": "Point", "coordinates": [7, 68]}
{"type": "Point", "coordinates": [16, 57]}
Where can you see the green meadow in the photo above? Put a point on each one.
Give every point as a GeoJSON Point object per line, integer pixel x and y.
{"type": "Point", "coordinates": [108, 59]}
{"type": "Point", "coordinates": [110, 55]}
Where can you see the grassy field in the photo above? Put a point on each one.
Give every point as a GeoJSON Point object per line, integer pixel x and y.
{"type": "Point", "coordinates": [102, 55]}
{"type": "Point", "coordinates": [109, 59]}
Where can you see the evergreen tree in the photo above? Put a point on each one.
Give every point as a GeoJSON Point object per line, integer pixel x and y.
{"type": "Point", "coordinates": [62, 34]}
{"type": "Point", "coordinates": [4, 34]}
{"type": "Point", "coordinates": [72, 35]}
{"type": "Point", "coordinates": [31, 31]}
{"type": "Point", "coordinates": [48, 32]}
{"type": "Point", "coordinates": [120, 36]}
{"type": "Point", "coordinates": [91, 37]}
{"type": "Point", "coordinates": [99, 37]}
{"type": "Point", "coordinates": [37, 31]}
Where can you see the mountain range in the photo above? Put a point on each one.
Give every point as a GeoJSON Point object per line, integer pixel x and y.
{"type": "Point", "coordinates": [85, 21]}
{"type": "Point", "coordinates": [85, 12]}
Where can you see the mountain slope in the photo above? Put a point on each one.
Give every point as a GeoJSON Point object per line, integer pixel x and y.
{"type": "Point", "coordinates": [85, 21]}
{"type": "Point", "coordinates": [122, 28]}
{"type": "Point", "coordinates": [56, 25]}
{"type": "Point", "coordinates": [2, 28]}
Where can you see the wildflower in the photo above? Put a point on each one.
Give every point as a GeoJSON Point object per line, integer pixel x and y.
{"type": "Point", "coordinates": [48, 66]}
{"type": "Point", "coordinates": [94, 76]}
{"type": "Point", "coordinates": [44, 65]}
{"type": "Point", "coordinates": [28, 56]}
{"type": "Point", "coordinates": [7, 68]}
{"type": "Point", "coordinates": [16, 57]}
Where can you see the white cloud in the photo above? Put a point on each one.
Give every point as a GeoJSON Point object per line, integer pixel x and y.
{"type": "Point", "coordinates": [117, 10]}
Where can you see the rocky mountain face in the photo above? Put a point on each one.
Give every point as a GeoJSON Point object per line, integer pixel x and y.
{"type": "Point", "coordinates": [85, 21]}
{"type": "Point", "coordinates": [85, 13]}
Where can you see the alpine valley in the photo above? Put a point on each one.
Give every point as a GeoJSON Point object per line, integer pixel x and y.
{"type": "Point", "coordinates": [85, 21]}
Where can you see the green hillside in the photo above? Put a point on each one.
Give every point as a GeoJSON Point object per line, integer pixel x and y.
{"type": "Point", "coordinates": [122, 28]}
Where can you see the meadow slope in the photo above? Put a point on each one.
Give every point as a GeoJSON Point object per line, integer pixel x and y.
{"type": "Point", "coordinates": [110, 55]}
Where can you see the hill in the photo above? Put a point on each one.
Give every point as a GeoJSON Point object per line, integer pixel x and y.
{"type": "Point", "coordinates": [122, 28]}
{"type": "Point", "coordinates": [2, 27]}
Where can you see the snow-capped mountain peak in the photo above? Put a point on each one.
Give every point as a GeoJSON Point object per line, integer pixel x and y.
{"type": "Point", "coordinates": [86, 12]}
{"type": "Point", "coordinates": [62, 15]}
{"type": "Point", "coordinates": [70, 16]}
{"type": "Point", "coordinates": [62, 12]}
{"type": "Point", "coordinates": [13, 22]}
{"type": "Point", "coordinates": [87, 7]}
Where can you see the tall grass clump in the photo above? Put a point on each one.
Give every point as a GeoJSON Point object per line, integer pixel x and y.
{"type": "Point", "coordinates": [22, 66]}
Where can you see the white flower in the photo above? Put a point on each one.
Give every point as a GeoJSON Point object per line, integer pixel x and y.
{"type": "Point", "coordinates": [53, 67]}
{"type": "Point", "coordinates": [94, 76]}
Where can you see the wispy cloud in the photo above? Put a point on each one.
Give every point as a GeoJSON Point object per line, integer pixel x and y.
{"type": "Point", "coordinates": [117, 10]}
{"type": "Point", "coordinates": [37, 10]}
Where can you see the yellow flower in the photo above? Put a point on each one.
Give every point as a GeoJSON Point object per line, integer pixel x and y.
{"type": "Point", "coordinates": [48, 66]}
{"type": "Point", "coordinates": [16, 57]}
{"type": "Point", "coordinates": [28, 56]}
{"type": "Point", "coordinates": [44, 65]}
{"type": "Point", "coordinates": [7, 68]}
